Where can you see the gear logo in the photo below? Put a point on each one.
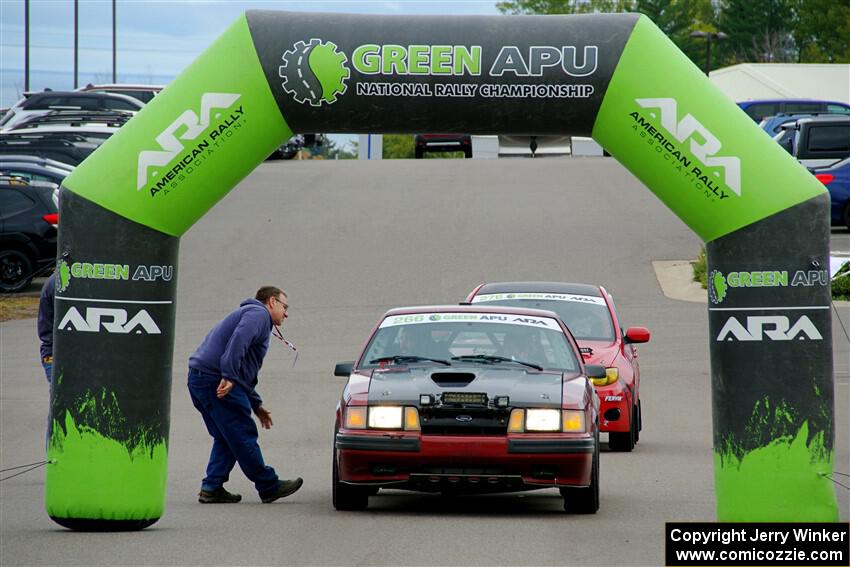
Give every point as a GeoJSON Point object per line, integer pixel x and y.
{"type": "Point", "coordinates": [63, 276]}
{"type": "Point", "coordinates": [717, 287]}
{"type": "Point", "coordinates": [314, 72]}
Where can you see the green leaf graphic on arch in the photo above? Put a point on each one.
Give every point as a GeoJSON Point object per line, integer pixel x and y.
{"type": "Point", "coordinates": [314, 72]}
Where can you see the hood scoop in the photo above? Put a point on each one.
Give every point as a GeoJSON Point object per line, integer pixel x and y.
{"type": "Point", "coordinates": [452, 379]}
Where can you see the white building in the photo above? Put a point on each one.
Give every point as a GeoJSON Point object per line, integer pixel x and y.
{"type": "Point", "coordinates": [752, 81]}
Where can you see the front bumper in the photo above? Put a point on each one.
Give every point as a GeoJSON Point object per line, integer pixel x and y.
{"type": "Point", "coordinates": [615, 402]}
{"type": "Point", "coordinates": [465, 462]}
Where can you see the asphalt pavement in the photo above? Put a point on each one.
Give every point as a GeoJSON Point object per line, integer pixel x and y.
{"type": "Point", "coordinates": [348, 240]}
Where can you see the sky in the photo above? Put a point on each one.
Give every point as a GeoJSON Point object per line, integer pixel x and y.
{"type": "Point", "coordinates": [156, 39]}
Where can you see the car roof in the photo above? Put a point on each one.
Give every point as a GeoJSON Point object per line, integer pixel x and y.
{"type": "Point", "coordinates": [35, 97]}
{"type": "Point", "coordinates": [15, 159]}
{"type": "Point", "coordinates": [471, 309]}
{"type": "Point", "coordinates": [122, 86]}
{"type": "Point", "coordinates": [825, 118]}
{"type": "Point", "coordinates": [540, 287]}
{"type": "Point", "coordinates": [791, 100]}
{"type": "Point", "coordinates": [14, 182]}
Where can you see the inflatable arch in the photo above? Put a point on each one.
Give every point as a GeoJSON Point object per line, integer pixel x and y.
{"type": "Point", "coordinates": [615, 77]}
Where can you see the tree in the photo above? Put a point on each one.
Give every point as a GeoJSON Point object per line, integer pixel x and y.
{"type": "Point", "coordinates": [398, 146]}
{"type": "Point", "coordinates": [822, 34]}
{"type": "Point", "coordinates": [758, 30]}
{"type": "Point", "coordinates": [334, 151]}
{"type": "Point", "coordinates": [676, 18]}
{"type": "Point", "coordinates": [564, 6]}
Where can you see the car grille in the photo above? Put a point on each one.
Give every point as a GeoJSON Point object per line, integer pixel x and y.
{"type": "Point", "coordinates": [463, 421]}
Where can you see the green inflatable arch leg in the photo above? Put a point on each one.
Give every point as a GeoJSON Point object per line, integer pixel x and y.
{"type": "Point", "coordinates": [616, 77]}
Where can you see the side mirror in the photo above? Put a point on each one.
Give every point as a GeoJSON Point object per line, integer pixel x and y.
{"type": "Point", "coordinates": [595, 371]}
{"type": "Point", "coordinates": [636, 335]}
{"type": "Point", "coordinates": [343, 368]}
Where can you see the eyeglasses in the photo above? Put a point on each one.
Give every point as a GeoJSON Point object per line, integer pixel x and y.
{"type": "Point", "coordinates": [285, 305]}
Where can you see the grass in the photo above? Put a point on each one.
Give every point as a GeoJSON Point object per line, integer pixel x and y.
{"type": "Point", "coordinates": [13, 307]}
{"type": "Point", "coordinates": [840, 283]}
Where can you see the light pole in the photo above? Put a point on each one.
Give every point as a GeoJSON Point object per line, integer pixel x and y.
{"type": "Point", "coordinates": [76, 41]}
{"type": "Point", "coordinates": [26, 45]}
{"type": "Point", "coordinates": [114, 41]}
{"type": "Point", "coordinates": [709, 37]}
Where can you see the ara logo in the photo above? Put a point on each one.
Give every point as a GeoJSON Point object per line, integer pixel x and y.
{"type": "Point", "coordinates": [705, 151]}
{"type": "Point", "coordinates": [314, 72]}
{"type": "Point", "coordinates": [193, 123]}
{"type": "Point", "coordinates": [774, 327]}
{"type": "Point", "coordinates": [112, 320]}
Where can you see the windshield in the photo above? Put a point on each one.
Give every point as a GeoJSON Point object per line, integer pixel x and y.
{"type": "Point", "coordinates": [586, 316]}
{"type": "Point", "coordinates": [473, 338]}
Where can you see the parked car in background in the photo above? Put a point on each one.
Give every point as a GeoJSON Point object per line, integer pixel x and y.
{"type": "Point", "coordinates": [423, 143]}
{"type": "Point", "coordinates": [29, 219]}
{"type": "Point", "coordinates": [588, 311]}
{"type": "Point", "coordinates": [837, 181]}
{"type": "Point", "coordinates": [68, 136]}
{"type": "Point", "coordinates": [66, 147]}
{"type": "Point", "coordinates": [45, 101]}
{"type": "Point", "coordinates": [818, 141]}
{"type": "Point", "coordinates": [467, 399]}
{"type": "Point", "coordinates": [773, 125]}
{"type": "Point", "coordinates": [34, 168]}
{"type": "Point", "coordinates": [144, 93]}
{"type": "Point", "coordinates": [73, 120]}
{"type": "Point", "coordinates": [758, 110]}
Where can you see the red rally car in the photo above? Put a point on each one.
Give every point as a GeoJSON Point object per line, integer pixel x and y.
{"type": "Point", "coordinates": [462, 399]}
{"type": "Point", "coordinates": [589, 313]}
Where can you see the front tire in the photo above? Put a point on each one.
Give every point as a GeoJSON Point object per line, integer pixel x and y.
{"type": "Point", "coordinates": [624, 442]}
{"type": "Point", "coordinates": [347, 497]}
{"type": "Point", "coordinates": [584, 499]}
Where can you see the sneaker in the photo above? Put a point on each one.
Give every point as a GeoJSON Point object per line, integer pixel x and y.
{"type": "Point", "coordinates": [285, 488]}
{"type": "Point", "coordinates": [218, 496]}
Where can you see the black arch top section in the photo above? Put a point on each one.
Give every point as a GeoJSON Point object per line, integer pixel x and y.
{"type": "Point", "coordinates": [576, 55]}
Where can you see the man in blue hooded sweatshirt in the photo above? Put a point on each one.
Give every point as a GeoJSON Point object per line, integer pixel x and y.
{"type": "Point", "coordinates": [222, 377]}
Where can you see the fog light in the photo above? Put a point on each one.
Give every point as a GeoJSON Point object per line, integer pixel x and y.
{"type": "Point", "coordinates": [502, 401]}
{"type": "Point", "coordinates": [612, 414]}
{"type": "Point", "coordinates": [425, 399]}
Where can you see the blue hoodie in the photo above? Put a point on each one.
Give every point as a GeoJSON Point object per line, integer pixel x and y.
{"type": "Point", "coordinates": [45, 316]}
{"type": "Point", "coordinates": [235, 348]}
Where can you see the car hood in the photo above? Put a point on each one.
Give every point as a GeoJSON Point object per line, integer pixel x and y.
{"type": "Point", "coordinates": [404, 386]}
{"type": "Point", "coordinates": [604, 353]}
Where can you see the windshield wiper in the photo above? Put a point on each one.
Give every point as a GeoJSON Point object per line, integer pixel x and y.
{"type": "Point", "coordinates": [493, 358]}
{"type": "Point", "coordinates": [399, 359]}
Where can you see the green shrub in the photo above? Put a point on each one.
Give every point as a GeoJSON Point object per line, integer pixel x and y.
{"type": "Point", "coordinates": [841, 284]}
{"type": "Point", "coordinates": [700, 266]}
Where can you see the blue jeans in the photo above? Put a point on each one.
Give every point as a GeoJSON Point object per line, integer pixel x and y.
{"type": "Point", "coordinates": [234, 434]}
{"type": "Point", "coordinates": [48, 371]}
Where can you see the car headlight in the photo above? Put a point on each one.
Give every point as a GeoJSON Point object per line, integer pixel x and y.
{"type": "Point", "coordinates": [543, 420]}
{"type": "Point", "coordinates": [382, 417]}
{"type": "Point", "coordinates": [611, 376]}
{"type": "Point", "coordinates": [385, 417]}
{"type": "Point", "coordinates": [532, 420]}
